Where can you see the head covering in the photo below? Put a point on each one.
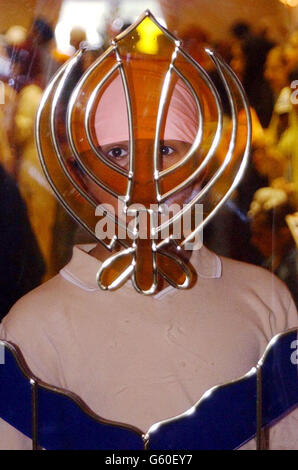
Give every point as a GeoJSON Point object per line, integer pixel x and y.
{"type": "Point", "coordinates": [111, 122]}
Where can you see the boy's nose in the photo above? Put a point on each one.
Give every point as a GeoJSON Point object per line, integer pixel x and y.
{"type": "Point", "coordinates": [143, 188]}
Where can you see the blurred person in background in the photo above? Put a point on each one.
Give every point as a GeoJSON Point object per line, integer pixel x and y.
{"type": "Point", "coordinates": [229, 234]}
{"type": "Point", "coordinates": [21, 263]}
{"type": "Point", "coordinates": [255, 48]}
{"type": "Point", "coordinates": [7, 116]}
{"type": "Point", "coordinates": [32, 56]}
{"type": "Point", "coordinates": [272, 237]}
{"type": "Point", "coordinates": [273, 203]}
{"type": "Point", "coordinates": [31, 68]}
{"type": "Point", "coordinates": [34, 188]}
{"type": "Point", "coordinates": [275, 71]}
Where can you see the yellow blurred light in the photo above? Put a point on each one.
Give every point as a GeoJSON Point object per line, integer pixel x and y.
{"type": "Point", "coordinates": [148, 32]}
{"type": "Point", "coordinates": [290, 3]}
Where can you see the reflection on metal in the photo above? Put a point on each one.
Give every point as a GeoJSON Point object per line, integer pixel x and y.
{"type": "Point", "coordinates": [206, 396]}
{"type": "Point", "coordinates": [89, 107]}
{"type": "Point", "coordinates": [146, 440]}
{"type": "Point", "coordinates": [198, 140]}
{"type": "Point", "coordinates": [259, 407]}
{"type": "Point", "coordinates": [98, 76]}
{"type": "Point", "coordinates": [34, 414]}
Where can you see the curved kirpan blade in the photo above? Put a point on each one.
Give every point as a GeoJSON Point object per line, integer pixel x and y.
{"type": "Point", "coordinates": [57, 159]}
{"type": "Point", "coordinates": [226, 157]}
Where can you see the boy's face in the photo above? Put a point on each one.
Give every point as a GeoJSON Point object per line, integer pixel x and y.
{"type": "Point", "coordinates": [171, 152]}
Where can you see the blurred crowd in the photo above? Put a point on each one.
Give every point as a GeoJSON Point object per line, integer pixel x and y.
{"type": "Point", "coordinates": [269, 73]}
{"type": "Point", "coordinates": [36, 238]}
{"type": "Point", "coordinates": [260, 222]}
{"type": "Point", "coordinates": [265, 206]}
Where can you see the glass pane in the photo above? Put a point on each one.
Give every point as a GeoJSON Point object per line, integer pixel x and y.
{"type": "Point", "coordinates": [127, 167]}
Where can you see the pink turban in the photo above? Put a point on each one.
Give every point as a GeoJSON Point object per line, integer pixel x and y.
{"type": "Point", "coordinates": [111, 123]}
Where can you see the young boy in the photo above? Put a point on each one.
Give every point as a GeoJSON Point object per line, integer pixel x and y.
{"type": "Point", "coordinates": [141, 359]}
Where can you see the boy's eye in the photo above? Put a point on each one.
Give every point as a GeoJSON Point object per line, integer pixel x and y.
{"type": "Point", "coordinates": [117, 152]}
{"type": "Point", "coordinates": [165, 150]}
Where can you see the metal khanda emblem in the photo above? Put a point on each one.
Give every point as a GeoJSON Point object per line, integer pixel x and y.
{"type": "Point", "coordinates": [148, 61]}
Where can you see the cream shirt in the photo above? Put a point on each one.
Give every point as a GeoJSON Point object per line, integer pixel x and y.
{"type": "Point", "coordinates": [140, 360]}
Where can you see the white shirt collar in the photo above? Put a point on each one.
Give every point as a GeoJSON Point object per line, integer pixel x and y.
{"type": "Point", "coordinates": [82, 268]}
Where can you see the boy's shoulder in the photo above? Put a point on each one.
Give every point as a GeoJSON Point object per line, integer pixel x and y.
{"type": "Point", "coordinates": [246, 273]}
{"type": "Point", "coordinates": [37, 303]}
{"type": "Point", "coordinates": [259, 286]}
